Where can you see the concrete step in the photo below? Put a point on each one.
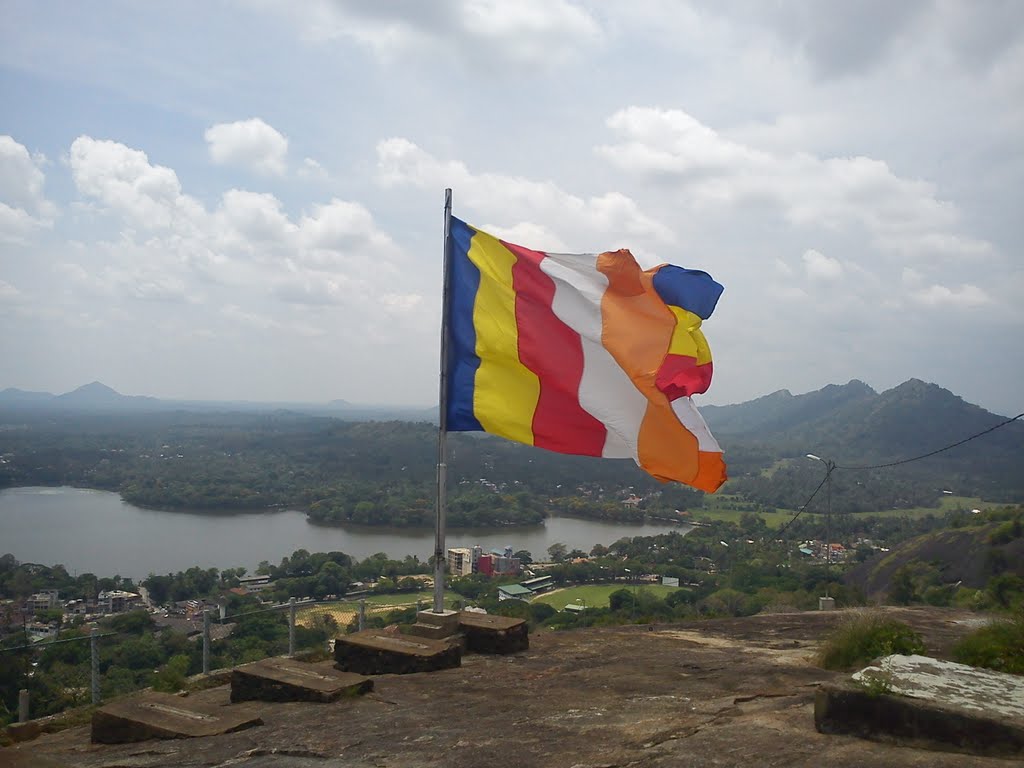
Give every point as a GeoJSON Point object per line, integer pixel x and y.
{"type": "Point", "coordinates": [486, 633]}
{"type": "Point", "coordinates": [163, 716]}
{"type": "Point", "coordinates": [284, 679]}
{"type": "Point", "coordinates": [376, 652]}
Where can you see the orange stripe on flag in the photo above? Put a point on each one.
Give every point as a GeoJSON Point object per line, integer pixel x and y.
{"type": "Point", "coordinates": [637, 329]}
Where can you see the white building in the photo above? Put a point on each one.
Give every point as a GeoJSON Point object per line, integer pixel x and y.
{"type": "Point", "coordinates": [460, 561]}
{"type": "Point", "coordinates": [116, 601]}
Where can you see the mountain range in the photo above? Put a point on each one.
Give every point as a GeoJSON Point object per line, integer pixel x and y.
{"type": "Point", "coordinates": [905, 444]}
{"type": "Point", "coordinates": [849, 423]}
{"type": "Point", "coordinates": [97, 396]}
{"type": "Point", "coordinates": [855, 419]}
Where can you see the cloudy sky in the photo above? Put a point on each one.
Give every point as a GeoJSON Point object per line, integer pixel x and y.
{"type": "Point", "coordinates": [235, 199]}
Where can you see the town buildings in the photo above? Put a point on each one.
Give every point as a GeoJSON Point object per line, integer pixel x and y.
{"type": "Point", "coordinates": [463, 561]}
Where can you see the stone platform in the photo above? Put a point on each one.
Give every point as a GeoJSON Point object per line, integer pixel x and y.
{"type": "Point", "coordinates": [485, 633]}
{"type": "Point", "coordinates": [282, 679]}
{"type": "Point", "coordinates": [163, 716]}
{"type": "Point", "coordinates": [923, 702]}
{"type": "Point", "coordinates": [436, 626]}
{"type": "Point", "coordinates": [376, 652]}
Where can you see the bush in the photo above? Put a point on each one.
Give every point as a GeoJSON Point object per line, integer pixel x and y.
{"type": "Point", "coordinates": [171, 677]}
{"type": "Point", "coordinates": [864, 637]}
{"type": "Point", "coordinates": [998, 646]}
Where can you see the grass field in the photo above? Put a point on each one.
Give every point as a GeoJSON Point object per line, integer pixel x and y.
{"type": "Point", "coordinates": [719, 508]}
{"type": "Point", "coordinates": [595, 595]}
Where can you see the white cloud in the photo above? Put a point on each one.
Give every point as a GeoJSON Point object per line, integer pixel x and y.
{"type": "Point", "coordinates": [709, 171]}
{"type": "Point", "coordinates": [822, 267]}
{"type": "Point", "coordinates": [333, 258]}
{"type": "Point", "coordinates": [23, 207]}
{"type": "Point", "coordinates": [345, 231]}
{"type": "Point", "coordinates": [254, 220]}
{"type": "Point", "coordinates": [487, 32]}
{"type": "Point", "coordinates": [249, 144]}
{"type": "Point", "coordinates": [965, 296]}
{"type": "Point", "coordinates": [522, 203]}
{"type": "Point", "coordinates": [8, 292]}
{"type": "Point", "coordinates": [311, 170]}
{"type": "Point", "coordinates": [911, 276]}
{"type": "Point", "coordinates": [124, 180]}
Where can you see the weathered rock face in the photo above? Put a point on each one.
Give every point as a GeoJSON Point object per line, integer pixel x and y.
{"type": "Point", "coordinates": [281, 679]}
{"type": "Point", "coordinates": [920, 701]}
{"type": "Point", "coordinates": [373, 652]}
{"type": "Point", "coordinates": [723, 693]}
{"type": "Point", "coordinates": [501, 635]}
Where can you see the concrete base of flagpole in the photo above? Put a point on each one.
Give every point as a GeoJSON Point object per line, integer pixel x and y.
{"type": "Point", "coordinates": [436, 626]}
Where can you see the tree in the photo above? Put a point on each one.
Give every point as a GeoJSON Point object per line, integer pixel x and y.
{"type": "Point", "coordinates": [524, 556]}
{"type": "Point", "coordinates": [621, 600]}
{"type": "Point", "coordinates": [902, 590]}
{"type": "Point", "coordinates": [557, 552]}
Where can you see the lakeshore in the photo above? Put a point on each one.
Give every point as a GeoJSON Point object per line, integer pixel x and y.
{"type": "Point", "coordinates": [97, 532]}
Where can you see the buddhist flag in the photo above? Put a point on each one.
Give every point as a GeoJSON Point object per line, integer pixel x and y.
{"type": "Point", "coordinates": [581, 353]}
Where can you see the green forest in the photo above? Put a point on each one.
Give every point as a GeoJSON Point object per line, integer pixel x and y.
{"type": "Point", "coordinates": [383, 472]}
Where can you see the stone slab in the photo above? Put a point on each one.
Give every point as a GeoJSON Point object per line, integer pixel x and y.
{"type": "Point", "coordinates": [449, 620]}
{"type": "Point", "coordinates": [374, 652]}
{"type": "Point", "coordinates": [431, 631]}
{"type": "Point", "coordinates": [163, 716]}
{"type": "Point", "coordinates": [486, 633]}
{"type": "Point", "coordinates": [923, 702]}
{"type": "Point", "coordinates": [282, 679]}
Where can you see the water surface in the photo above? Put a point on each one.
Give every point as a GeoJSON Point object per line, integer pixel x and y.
{"type": "Point", "coordinates": [96, 532]}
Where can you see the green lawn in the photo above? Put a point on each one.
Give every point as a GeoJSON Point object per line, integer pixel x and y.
{"type": "Point", "coordinates": [717, 507]}
{"type": "Point", "coordinates": [948, 503]}
{"type": "Point", "coordinates": [771, 519]}
{"type": "Point", "coordinates": [595, 595]}
{"type": "Point", "coordinates": [402, 598]}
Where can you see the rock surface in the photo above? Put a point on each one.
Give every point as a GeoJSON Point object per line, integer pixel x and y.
{"type": "Point", "coordinates": [920, 701]}
{"type": "Point", "coordinates": [731, 692]}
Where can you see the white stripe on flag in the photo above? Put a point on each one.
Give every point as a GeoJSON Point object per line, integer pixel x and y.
{"type": "Point", "coordinates": [693, 421]}
{"type": "Point", "coordinates": [606, 391]}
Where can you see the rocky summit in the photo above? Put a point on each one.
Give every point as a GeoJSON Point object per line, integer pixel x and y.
{"type": "Point", "coordinates": [729, 692]}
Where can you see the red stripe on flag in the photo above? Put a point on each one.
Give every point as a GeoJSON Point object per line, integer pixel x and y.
{"type": "Point", "coordinates": [553, 351]}
{"type": "Point", "coordinates": [681, 376]}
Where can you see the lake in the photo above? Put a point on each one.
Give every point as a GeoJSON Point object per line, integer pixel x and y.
{"type": "Point", "coordinates": [96, 532]}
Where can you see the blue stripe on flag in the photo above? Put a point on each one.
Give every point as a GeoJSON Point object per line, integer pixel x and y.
{"type": "Point", "coordinates": [462, 358]}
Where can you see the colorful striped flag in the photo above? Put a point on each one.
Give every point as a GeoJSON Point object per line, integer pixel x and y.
{"type": "Point", "coordinates": [581, 353]}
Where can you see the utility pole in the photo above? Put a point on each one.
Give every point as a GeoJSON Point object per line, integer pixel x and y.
{"type": "Point", "coordinates": [829, 469]}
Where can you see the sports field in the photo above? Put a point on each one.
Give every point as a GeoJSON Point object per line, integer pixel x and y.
{"type": "Point", "coordinates": [595, 595]}
{"type": "Point", "coordinates": [344, 611]}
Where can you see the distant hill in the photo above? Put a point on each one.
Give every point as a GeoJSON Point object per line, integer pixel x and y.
{"type": "Point", "coordinates": [14, 396]}
{"type": "Point", "coordinates": [97, 396]}
{"type": "Point", "coordinates": [967, 556]}
{"type": "Point", "coordinates": [857, 427]}
{"type": "Point", "coordinates": [781, 412]}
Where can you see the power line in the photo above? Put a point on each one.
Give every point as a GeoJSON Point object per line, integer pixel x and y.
{"type": "Point", "coordinates": [810, 498]}
{"type": "Point", "coordinates": [940, 450]}
{"type": "Point", "coordinates": [803, 506]}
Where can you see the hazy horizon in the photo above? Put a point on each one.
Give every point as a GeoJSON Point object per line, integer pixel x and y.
{"type": "Point", "coordinates": [427, 405]}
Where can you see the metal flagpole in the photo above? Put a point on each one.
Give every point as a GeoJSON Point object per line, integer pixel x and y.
{"type": "Point", "coordinates": [440, 554]}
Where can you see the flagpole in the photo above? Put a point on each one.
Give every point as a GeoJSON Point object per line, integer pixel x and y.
{"type": "Point", "coordinates": [440, 553]}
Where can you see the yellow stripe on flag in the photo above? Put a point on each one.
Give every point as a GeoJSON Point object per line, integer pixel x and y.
{"type": "Point", "coordinates": [505, 391]}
